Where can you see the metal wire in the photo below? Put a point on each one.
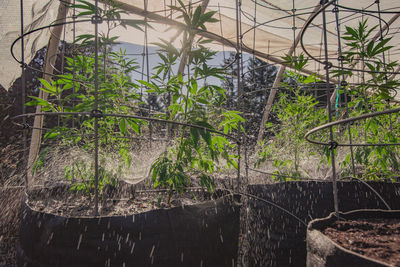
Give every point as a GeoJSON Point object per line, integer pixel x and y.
{"type": "Point", "coordinates": [96, 106]}
{"type": "Point", "coordinates": [348, 120]}
{"type": "Point", "coordinates": [370, 11]}
{"type": "Point", "coordinates": [234, 139]}
{"type": "Point", "coordinates": [239, 46]}
{"type": "Point", "coordinates": [372, 189]}
{"type": "Point", "coordinates": [328, 93]}
{"type": "Point", "coordinates": [306, 26]}
{"type": "Point", "coordinates": [340, 55]}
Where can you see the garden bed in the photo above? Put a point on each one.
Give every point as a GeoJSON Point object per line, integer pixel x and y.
{"type": "Point", "coordinates": [64, 202]}
{"type": "Point", "coordinates": [278, 239]}
{"type": "Point", "coordinates": [356, 238]}
{"type": "Point", "coordinates": [374, 238]}
{"type": "Point", "coordinates": [186, 234]}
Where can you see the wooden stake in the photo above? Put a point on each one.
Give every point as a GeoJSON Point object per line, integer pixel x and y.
{"type": "Point", "coordinates": [274, 89]}
{"type": "Point", "coordinates": [51, 55]}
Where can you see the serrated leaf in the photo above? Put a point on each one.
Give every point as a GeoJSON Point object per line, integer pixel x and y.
{"type": "Point", "coordinates": [134, 126]}
{"type": "Point", "coordinates": [195, 135]}
{"type": "Point", "coordinates": [48, 87]}
{"type": "Point", "coordinates": [122, 126]}
{"type": "Point", "coordinates": [196, 15]}
{"type": "Point", "coordinates": [51, 135]}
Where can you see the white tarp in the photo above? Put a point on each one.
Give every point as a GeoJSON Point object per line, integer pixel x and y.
{"type": "Point", "coordinates": [37, 13]}
{"type": "Point", "coordinates": [271, 39]}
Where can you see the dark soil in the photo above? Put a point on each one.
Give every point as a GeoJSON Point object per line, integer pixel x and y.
{"type": "Point", "coordinates": [374, 238]}
{"type": "Point", "coordinates": [71, 204]}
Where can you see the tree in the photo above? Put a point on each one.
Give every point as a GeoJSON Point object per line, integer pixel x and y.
{"type": "Point", "coordinates": [256, 81]}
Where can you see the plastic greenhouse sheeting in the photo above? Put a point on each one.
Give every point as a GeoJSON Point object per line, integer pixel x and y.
{"type": "Point", "coordinates": [268, 28]}
{"type": "Point", "coordinates": [37, 13]}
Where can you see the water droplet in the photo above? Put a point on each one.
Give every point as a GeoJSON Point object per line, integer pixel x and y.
{"type": "Point", "coordinates": [50, 238]}
{"type": "Point", "coordinates": [127, 238]}
{"type": "Point", "coordinates": [133, 246]}
{"type": "Point", "coordinates": [152, 250]}
{"type": "Point", "coordinates": [79, 241]}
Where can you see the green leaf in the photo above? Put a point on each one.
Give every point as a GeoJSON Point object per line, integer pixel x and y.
{"type": "Point", "coordinates": [122, 126]}
{"type": "Point", "coordinates": [370, 47]}
{"type": "Point", "coordinates": [175, 108]}
{"type": "Point", "coordinates": [352, 32]}
{"type": "Point", "coordinates": [206, 17]}
{"type": "Point", "coordinates": [52, 134]}
{"type": "Point", "coordinates": [205, 133]}
{"type": "Point", "coordinates": [134, 125]}
{"type": "Point", "coordinates": [85, 13]}
{"type": "Point", "coordinates": [39, 102]}
{"type": "Point", "coordinates": [150, 85]}
{"type": "Point", "coordinates": [194, 133]}
{"type": "Point", "coordinates": [196, 15]}
{"type": "Point", "coordinates": [137, 24]}
{"type": "Point", "coordinates": [48, 87]}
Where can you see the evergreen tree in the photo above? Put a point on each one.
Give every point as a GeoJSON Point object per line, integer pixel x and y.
{"type": "Point", "coordinates": [257, 80]}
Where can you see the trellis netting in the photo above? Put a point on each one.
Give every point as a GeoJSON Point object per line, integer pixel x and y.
{"type": "Point", "coordinates": [267, 29]}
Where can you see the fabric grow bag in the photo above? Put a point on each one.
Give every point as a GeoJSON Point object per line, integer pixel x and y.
{"type": "Point", "coordinates": [322, 251]}
{"type": "Point", "coordinates": [277, 239]}
{"type": "Point", "coordinates": [204, 234]}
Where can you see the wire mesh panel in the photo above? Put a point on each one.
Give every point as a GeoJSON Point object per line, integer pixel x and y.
{"type": "Point", "coordinates": [144, 105]}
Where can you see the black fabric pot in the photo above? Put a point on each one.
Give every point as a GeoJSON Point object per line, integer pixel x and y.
{"type": "Point", "coordinates": [322, 251]}
{"type": "Point", "coordinates": [205, 234]}
{"type": "Point", "coordinates": [277, 239]}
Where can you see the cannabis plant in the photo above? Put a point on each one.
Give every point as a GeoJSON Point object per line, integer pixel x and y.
{"type": "Point", "coordinates": [374, 93]}
{"type": "Point", "coordinates": [297, 113]}
{"type": "Point", "coordinates": [198, 150]}
{"type": "Point", "coordinates": [74, 92]}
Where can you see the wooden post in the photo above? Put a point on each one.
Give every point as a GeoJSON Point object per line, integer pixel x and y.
{"type": "Point", "coordinates": [50, 59]}
{"type": "Point", "coordinates": [218, 38]}
{"type": "Point", "coordinates": [278, 77]}
{"type": "Point", "coordinates": [186, 50]}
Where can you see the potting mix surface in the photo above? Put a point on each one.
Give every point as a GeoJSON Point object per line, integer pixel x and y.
{"type": "Point", "coordinates": [374, 238]}
{"type": "Point", "coordinates": [81, 206]}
